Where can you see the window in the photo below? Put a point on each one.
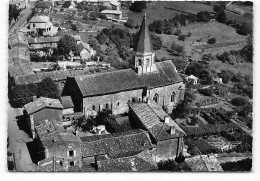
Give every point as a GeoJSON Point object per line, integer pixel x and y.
{"type": "Point", "coordinates": [93, 108]}
{"type": "Point", "coordinates": [156, 98]}
{"type": "Point", "coordinates": [173, 97]}
{"type": "Point", "coordinates": [60, 163]}
{"type": "Point", "coordinates": [71, 153]}
{"type": "Point", "coordinates": [139, 62]}
{"type": "Point", "coordinates": [33, 24]}
{"type": "Point", "coordinates": [71, 163]}
{"type": "Point", "coordinates": [107, 106]}
{"type": "Point", "coordinates": [118, 104]}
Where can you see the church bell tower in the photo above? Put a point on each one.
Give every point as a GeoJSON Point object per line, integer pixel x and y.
{"type": "Point", "coordinates": [144, 53]}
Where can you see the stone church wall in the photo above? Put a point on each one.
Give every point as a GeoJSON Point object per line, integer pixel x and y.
{"type": "Point", "coordinates": [116, 102]}
{"type": "Point", "coordinates": [165, 93]}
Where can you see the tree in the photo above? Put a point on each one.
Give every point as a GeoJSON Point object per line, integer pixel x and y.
{"type": "Point", "coordinates": [194, 69]}
{"type": "Point", "coordinates": [239, 101]}
{"type": "Point", "coordinates": [176, 48]}
{"type": "Point", "coordinates": [66, 4]}
{"type": "Point", "coordinates": [67, 44]}
{"type": "Point", "coordinates": [74, 27]}
{"type": "Point", "coordinates": [212, 40]}
{"type": "Point", "coordinates": [182, 37]}
{"type": "Point", "coordinates": [156, 41]}
{"type": "Point", "coordinates": [247, 50]}
{"type": "Point", "coordinates": [102, 38]}
{"type": "Point", "coordinates": [47, 88]}
{"type": "Point", "coordinates": [138, 6]}
{"type": "Point", "coordinates": [130, 23]}
{"type": "Point", "coordinates": [221, 17]}
{"type": "Point", "coordinates": [206, 92]}
{"type": "Point", "coordinates": [94, 15]}
{"type": "Point", "coordinates": [159, 29]}
{"type": "Point", "coordinates": [244, 29]}
{"type": "Point", "coordinates": [13, 12]}
{"type": "Point", "coordinates": [203, 16]}
{"type": "Point", "coordinates": [226, 75]}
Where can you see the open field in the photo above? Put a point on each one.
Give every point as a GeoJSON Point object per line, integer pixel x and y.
{"type": "Point", "coordinates": [227, 39]}
{"type": "Point", "coordinates": [244, 68]}
{"type": "Point", "coordinates": [246, 18]}
{"type": "Point", "coordinates": [157, 11]}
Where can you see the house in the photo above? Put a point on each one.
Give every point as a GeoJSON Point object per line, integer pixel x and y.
{"type": "Point", "coordinates": [53, 141]}
{"type": "Point", "coordinates": [41, 24]}
{"type": "Point", "coordinates": [221, 143]}
{"type": "Point", "coordinates": [204, 163]}
{"type": "Point", "coordinates": [193, 79]}
{"type": "Point", "coordinates": [41, 111]}
{"type": "Point", "coordinates": [77, 38]}
{"type": "Point", "coordinates": [113, 15]}
{"type": "Point", "coordinates": [165, 134]}
{"type": "Point", "coordinates": [43, 6]}
{"type": "Point", "coordinates": [115, 145]}
{"type": "Point", "coordinates": [67, 104]}
{"type": "Point", "coordinates": [21, 4]}
{"type": "Point", "coordinates": [217, 80]}
{"type": "Point", "coordinates": [115, 89]}
{"type": "Point", "coordinates": [112, 5]}
{"type": "Point", "coordinates": [43, 42]}
{"type": "Point", "coordinates": [86, 51]}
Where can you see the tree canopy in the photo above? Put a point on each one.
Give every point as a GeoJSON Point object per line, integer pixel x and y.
{"type": "Point", "coordinates": [138, 6]}
{"type": "Point", "coordinates": [47, 88]}
{"type": "Point", "coordinates": [67, 44]}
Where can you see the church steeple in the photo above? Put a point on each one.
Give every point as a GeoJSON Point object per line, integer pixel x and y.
{"type": "Point", "coordinates": [144, 53]}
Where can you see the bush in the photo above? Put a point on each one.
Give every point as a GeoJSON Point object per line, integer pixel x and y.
{"type": "Point", "coordinates": [206, 92]}
{"type": "Point", "coordinates": [74, 27]}
{"type": "Point", "coordinates": [239, 101]}
{"type": "Point", "coordinates": [212, 40]}
{"type": "Point", "coordinates": [177, 48]}
{"type": "Point", "coordinates": [156, 41]}
{"type": "Point", "coordinates": [182, 37]}
{"type": "Point", "coordinates": [226, 75]}
{"type": "Point", "coordinates": [138, 6]}
{"type": "Point", "coordinates": [177, 32]}
{"type": "Point", "coordinates": [221, 17]}
{"type": "Point", "coordinates": [203, 16]}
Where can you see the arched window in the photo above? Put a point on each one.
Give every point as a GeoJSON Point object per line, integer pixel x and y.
{"type": "Point", "coordinates": [107, 106]}
{"type": "Point", "coordinates": [173, 97]}
{"type": "Point", "coordinates": [139, 62]}
{"type": "Point", "coordinates": [156, 98]}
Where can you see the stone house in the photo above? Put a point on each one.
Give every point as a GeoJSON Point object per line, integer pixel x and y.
{"type": "Point", "coordinates": [43, 42]}
{"type": "Point", "coordinates": [86, 51]}
{"type": "Point", "coordinates": [67, 104]}
{"type": "Point", "coordinates": [115, 89]}
{"type": "Point", "coordinates": [41, 111]}
{"type": "Point", "coordinates": [165, 134]}
{"type": "Point", "coordinates": [43, 6]}
{"type": "Point", "coordinates": [42, 25]}
{"type": "Point", "coordinates": [54, 141]}
{"type": "Point", "coordinates": [113, 15]}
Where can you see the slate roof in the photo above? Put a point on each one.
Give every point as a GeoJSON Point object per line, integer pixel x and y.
{"type": "Point", "coordinates": [66, 102]}
{"type": "Point", "coordinates": [127, 164]}
{"type": "Point", "coordinates": [166, 75]}
{"type": "Point", "coordinates": [116, 143]}
{"type": "Point", "coordinates": [42, 103]}
{"type": "Point", "coordinates": [40, 19]}
{"type": "Point", "coordinates": [108, 82]}
{"type": "Point", "coordinates": [152, 117]}
{"type": "Point", "coordinates": [144, 44]}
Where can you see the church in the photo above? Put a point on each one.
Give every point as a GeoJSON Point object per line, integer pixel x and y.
{"type": "Point", "coordinates": [116, 90]}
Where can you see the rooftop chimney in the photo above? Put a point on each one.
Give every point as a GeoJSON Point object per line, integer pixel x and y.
{"type": "Point", "coordinates": [34, 98]}
{"type": "Point", "coordinates": [167, 119]}
{"type": "Point", "coordinates": [172, 130]}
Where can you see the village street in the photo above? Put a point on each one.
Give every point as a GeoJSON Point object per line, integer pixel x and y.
{"type": "Point", "coordinates": [17, 143]}
{"type": "Point", "coordinates": [23, 17]}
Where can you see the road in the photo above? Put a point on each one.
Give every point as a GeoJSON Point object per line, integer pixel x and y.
{"type": "Point", "coordinates": [242, 127]}
{"type": "Point", "coordinates": [17, 142]}
{"type": "Point", "coordinates": [24, 15]}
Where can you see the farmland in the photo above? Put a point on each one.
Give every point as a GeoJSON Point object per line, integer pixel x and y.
{"type": "Point", "coordinates": [157, 10]}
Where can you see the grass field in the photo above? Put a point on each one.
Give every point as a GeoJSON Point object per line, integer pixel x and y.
{"type": "Point", "coordinates": [157, 11]}
{"type": "Point", "coordinates": [244, 68]}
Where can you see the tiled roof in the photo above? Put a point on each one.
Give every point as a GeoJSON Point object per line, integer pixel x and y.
{"type": "Point", "coordinates": [108, 11]}
{"type": "Point", "coordinates": [40, 19]}
{"type": "Point", "coordinates": [144, 44]}
{"type": "Point", "coordinates": [166, 74]}
{"type": "Point", "coordinates": [66, 102]}
{"type": "Point", "coordinates": [152, 117]}
{"type": "Point", "coordinates": [54, 75]}
{"type": "Point", "coordinates": [17, 39]}
{"type": "Point", "coordinates": [43, 40]}
{"type": "Point", "coordinates": [108, 82]}
{"type": "Point", "coordinates": [127, 164]}
{"type": "Point", "coordinates": [43, 4]}
{"type": "Point", "coordinates": [41, 103]}
{"type": "Point", "coordinates": [116, 143]}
